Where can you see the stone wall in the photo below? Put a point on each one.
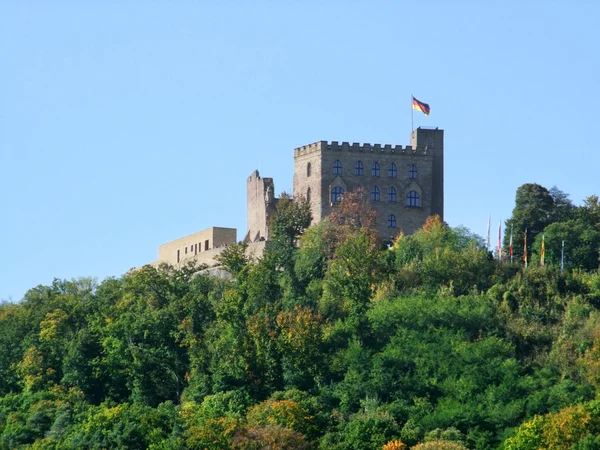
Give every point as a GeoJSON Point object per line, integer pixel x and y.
{"type": "Point", "coordinates": [260, 194]}
{"type": "Point", "coordinates": [427, 181]}
{"type": "Point", "coordinates": [202, 246]}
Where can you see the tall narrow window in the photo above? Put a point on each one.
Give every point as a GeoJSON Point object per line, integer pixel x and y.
{"type": "Point", "coordinates": [178, 255]}
{"type": "Point", "coordinates": [336, 194]}
{"type": "Point", "coordinates": [412, 199]}
{"type": "Point", "coordinates": [391, 221]}
{"type": "Point", "coordinates": [392, 194]}
{"type": "Point", "coordinates": [375, 169]}
{"type": "Point", "coordinates": [195, 249]}
{"type": "Point", "coordinates": [359, 169]}
{"type": "Point", "coordinates": [392, 171]}
{"type": "Point", "coordinates": [412, 172]}
{"type": "Point", "coordinates": [430, 143]}
{"type": "Point", "coordinates": [186, 250]}
{"type": "Point", "coordinates": [374, 194]}
{"type": "Point", "coordinates": [337, 167]}
{"type": "Point", "coordinates": [308, 170]}
{"type": "Point", "coordinates": [308, 195]}
{"type": "Point", "coordinates": [206, 244]}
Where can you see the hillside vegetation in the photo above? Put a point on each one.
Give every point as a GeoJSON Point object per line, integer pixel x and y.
{"type": "Point", "coordinates": [342, 342]}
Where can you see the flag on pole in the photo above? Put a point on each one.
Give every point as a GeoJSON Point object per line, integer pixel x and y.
{"type": "Point", "coordinates": [542, 253]}
{"type": "Point", "coordinates": [500, 240]}
{"type": "Point", "coordinates": [510, 249]}
{"type": "Point", "coordinates": [525, 247]}
{"type": "Point", "coordinates": [487, 239]}
{"type": "Point", "coordinates": [423, 107]}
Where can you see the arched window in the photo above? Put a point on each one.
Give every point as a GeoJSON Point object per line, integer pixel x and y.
{"type": "Point", "coordinates": [375, 169]}
{"type": "Point", "coordinates": [391, 221]}
{"type": "Point", "coordinates": [374, 194]}
{"type": "Point", "coordinates": [412, 172]}
{"type": "Point", "coordinates": [392, 194]}
{"type": "Point", "coordinates": [308, 195]}
{"type": "Point", "coordinates": [359, 169]}
{"type": "Point", "coordinates": [392, 171]}
{"type": "Point", "coordinates": [337, 167]}
{"type": "Point", "coordinates": [336, 194]}
{"type": "Point", "coordinates": [412, 199]}
{"type": "Point", "coordinates": [308, 170]}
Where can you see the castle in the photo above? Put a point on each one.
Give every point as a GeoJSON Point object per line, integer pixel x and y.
{"type": "Point", "coordinates": [404, 185]}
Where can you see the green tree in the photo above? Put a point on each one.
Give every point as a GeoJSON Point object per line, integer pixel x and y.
{"type": "Point", "coordinates": [582, 244]}
{"type": "Point", "coordinates": [535, 208]}
{"type": "Point", "coordinates": [234, 258]}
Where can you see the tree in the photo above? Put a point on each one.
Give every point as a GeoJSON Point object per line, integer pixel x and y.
{"type": "Point", "coordinates": [582, 244]}
{"type": "Point", "coordinates": [234, 258]}
{"type": "Point", "coordinates": [291, 218]}
{"type": "Point", "coordinates": [534, 210]}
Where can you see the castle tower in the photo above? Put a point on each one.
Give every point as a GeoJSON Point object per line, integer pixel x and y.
{"type": "Point", "coordinates": [261, 203]}
{"type": "Point", "coordinates": [404, 185]}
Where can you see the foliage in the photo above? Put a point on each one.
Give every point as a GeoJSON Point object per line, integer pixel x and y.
{"type": "Point", "coordinates": [439, 445]}
{"type": "Point", "coordinates": [341, 343]}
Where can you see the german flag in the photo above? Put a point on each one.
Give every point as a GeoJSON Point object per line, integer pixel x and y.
{"type": "Point", "coordinates": [423, 107]}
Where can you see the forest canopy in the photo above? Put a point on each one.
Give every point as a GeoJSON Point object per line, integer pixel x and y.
{"type": "Point", "coordinates": [331, 340]}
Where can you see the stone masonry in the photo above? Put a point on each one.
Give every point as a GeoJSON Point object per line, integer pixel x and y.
{"type": "Point", "coordinates": [404, 185]}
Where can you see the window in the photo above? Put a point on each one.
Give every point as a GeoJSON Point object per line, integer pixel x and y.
{"type": "Point", "coordinates": [336, 194]}
{"type": "Point", "coordinates": [391, 221]}
{"type": "Point", "coordinates": [412, 172]}
{"type": "Point", "coordinates": [392, 172]}
{"type": "Point", "coordinates": [392, 194]}
{"type": "Point", "coordinates": [206, 244]}
{"type": "Point", "coordinates": [413, 200]}
{"type": "Point", "coordinates": [178, 255]}
{"type": "Point", "coordinates": [430, 143]}
{"type": "Point", "coordinates": [308, 195]}
{"type": "Point", "coordinates": [374, 194]}
{"type": "Point", "coordinates": [359, 169]}
{"type": "Point", "coordinates": [375, 169]}
{"type": "Point", "coordinates": [337, 167]}
{"type": "Point", "coordinates": [358, 188]}
{"type": "Point", "coordinates": [308, 170]}
{"type": "Point", "coordinates": [195, 249]}
{"type": "Point", "coordinates": [186, 250]}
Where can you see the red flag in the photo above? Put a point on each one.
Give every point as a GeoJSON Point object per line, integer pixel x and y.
{"type": "Point", "coordinates": [525, 248]}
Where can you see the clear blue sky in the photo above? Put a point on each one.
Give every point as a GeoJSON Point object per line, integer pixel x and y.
{"type": "Point", "coordinates": [124, 126]}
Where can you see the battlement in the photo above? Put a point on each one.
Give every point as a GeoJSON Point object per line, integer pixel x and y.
{"type": "Point", "coordinates": [256, 176]}
{"type": "Point", "coordinates": [322, 146]}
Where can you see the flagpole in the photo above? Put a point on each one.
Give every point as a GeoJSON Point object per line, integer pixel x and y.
{"type": "Point", "coordinates": [510, 243]}
{"type": "Point", "coordinates": [562, 257]}
{"type": "Point", "coordinates": [500, 240]}
{"type": "Point", "coordinates": [525, 248]}
{"type": "Point", "coordinates": [412, 120]}
{"type": "Point", "coordinates": [487, 240]}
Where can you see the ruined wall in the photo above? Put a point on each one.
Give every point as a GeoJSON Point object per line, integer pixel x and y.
{"type": "Point", "coordinates": [260, 206]}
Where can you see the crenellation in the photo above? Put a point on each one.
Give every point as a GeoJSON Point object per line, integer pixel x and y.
{"type": "Point", "coordinates": [385, 167]}
{"type": "Point", "coordinates": [403, 189]}
{"type": "Point", "coordinates": [357, 147]}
